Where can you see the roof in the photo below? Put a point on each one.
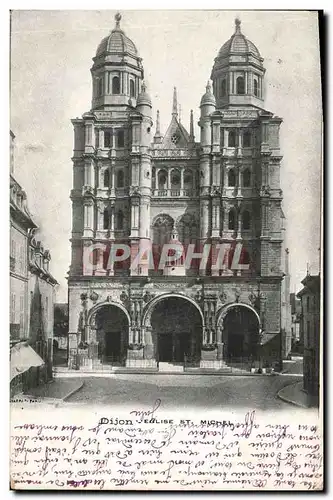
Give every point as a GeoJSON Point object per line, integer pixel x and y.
{"type": "Point", "coordinates": [208, 97]}
{"type": "Point", "coordinates": [117, 42]}
{"type": "Point", "coordinates": [176, 136]}
{"type": "Point", "coordinates": [238, 44]}
{"type": "Point", "coordinates": [311, 285]}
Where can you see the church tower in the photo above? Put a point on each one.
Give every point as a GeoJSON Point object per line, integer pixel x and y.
{"type": "Point", "coordinates": [240, 194]}
{"type": "Point", "coordinates": [136, 193]}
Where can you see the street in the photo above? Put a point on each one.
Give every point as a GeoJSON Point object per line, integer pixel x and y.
{"type": "Point", "coordinates": [185, 391]}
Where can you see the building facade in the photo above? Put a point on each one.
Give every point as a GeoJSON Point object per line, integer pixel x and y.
{"type": "Point", "coordinates": [218, 199]}
{"type": "Point", "coordinates": [296, 312]}
{"type": "Point", "coordinates": [310, 333]}
{"type": "Point", "coordinates": [32, 289]}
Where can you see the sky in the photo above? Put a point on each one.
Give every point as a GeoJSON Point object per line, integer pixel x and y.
{"type": "Point", "coordinates": [50, 61]}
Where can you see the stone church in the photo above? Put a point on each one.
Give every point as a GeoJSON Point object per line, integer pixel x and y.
{"type": "Point", "coordinates": [135, 188]}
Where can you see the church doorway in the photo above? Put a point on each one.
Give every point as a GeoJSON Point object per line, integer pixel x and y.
{"type": "Point", "coordinates": [111, 334]}
{"type": "Point", "coordinates": [240, 334]}
{"type": "Point", "coordinates": [177, 331]}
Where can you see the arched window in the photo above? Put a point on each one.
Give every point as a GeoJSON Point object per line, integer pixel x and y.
{"type": "Point", "coordinates": [120, 220]}
{"type": "Point", "coordinates": [100, 86]}
{"type": "Point", "coordinates": [107, 138]}
{"type": "Point", "coordinates": [120, 138]}
{"type": "Point", "coordinates": [188, 179]}
{"type": "Point", "coordinates": [187, 228]}
{"type": "Point", "coordinates": [106, 178]}
{"type": "Point", "coordinates": [162, 179]}
{"type": "Point", "coordinates": [223, 87]}
{"type": "Point", "coordinates": [232, 139]}
{"type": "Point", "coordinates": [246, 220]}
{"type": "Point", "coordinates": [255, 87]}
{"type": "Point", "coordinates": [232, 219]}
{"type": "Point", "coordinates": [231, 178]}
{"type": "Point", "coordinates": [120, 179]}
{"type": "Point", "coordinates": [106, 219]}
{"type": "Point", "coordinates": [132, 88]}
{"type": "Point", "coordinates": [247, 178]}
{"type": "Point", "coordinates": [240, 85]}
{"type": "Point", "coordinates": [116, 85]}
{"type": "Point", "coordinates": [175, 179]}
{"type": "Point", "coordinates": [247, 139]}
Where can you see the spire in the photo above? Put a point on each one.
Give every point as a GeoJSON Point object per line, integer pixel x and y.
{"type": "Point", "coordinates": [237, 26]}
{"type": "Point", "coordinates": [117, 19]}
{"type": "Point", "coordinates": [180, 113]}
{"type": "Point", "coordinates": [174, 104]}
{"type": "Point", "coordinates": [191, 127]}
{"type": "Point", "coordinates": [158, 132]}
{"type": "Point", "coordinates": [157, 136]}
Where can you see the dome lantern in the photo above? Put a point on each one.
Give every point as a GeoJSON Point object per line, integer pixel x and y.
{"type": "Point", "coordinates": [117, 71]}
{"type": "Point", "coordinates": [238, 72]}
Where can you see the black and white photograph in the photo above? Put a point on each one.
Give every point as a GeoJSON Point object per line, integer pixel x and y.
{"type": "Point", "coordinates": [166, 250]}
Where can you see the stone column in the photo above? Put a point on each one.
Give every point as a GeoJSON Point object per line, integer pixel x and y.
{"type": "Point", "coordinates": [169, 180]}
{"type": "Point", "coordinates": [219, 343]}
{"type": "Point", "coordinates": [148, 342]}
{"type": "Point", "coordinates": [100, 216]}
{"type": "Point", "coordinates": [101, 138]}
{"type": "Point", "coordinates": [231, 82]}
{"type": "Point", "coordinates": [112, 178]}
{"type": "Point", "coordinates": [225, 131]}
{"type": "Point", "coordinates": [88, 217]}
{"type": "Point", "coordinates": [181, 180]}
{"type": "Point", "coordinates": [88, 173]}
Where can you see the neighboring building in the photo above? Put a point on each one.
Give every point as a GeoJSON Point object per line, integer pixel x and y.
{"type": "Point", "coordinates": [310, 333]}
{"type": "Point", "coordinates": [285, 305]}
{"type": "Point", "coordinates": [60, 326]}
{"type": "Point", "coordinates": [296, 310]}
{"type": "Point", "coordinates": [140, 189]}
{"type": "Point", "coordinates": [31, 295]}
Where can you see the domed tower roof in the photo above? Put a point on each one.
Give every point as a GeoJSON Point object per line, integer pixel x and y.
{"type": "Point", "coordinates": [143, 98]}
{"type": "Point", "coordinates": [238, 44]}
{"type": "Point", "coordinates": [208, 97]}
{"type": "Point", "coordinates": [117, 71]}
{"type": "Point", "coordinates": [117, 42]}
{"type": "Point", "coordinates": [238, 72]}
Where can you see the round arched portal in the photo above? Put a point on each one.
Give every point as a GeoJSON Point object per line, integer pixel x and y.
{"type": "Point", "coordinates": [176, 326]}
{"type": "Point", "coordinates": [112, 327]}
{"type": "Point", "coordinates": [240, 333]}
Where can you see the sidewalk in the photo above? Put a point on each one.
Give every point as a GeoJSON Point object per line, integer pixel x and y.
{"type": "Point", "coordinates": [295, 395]}
{"type": "Point", "coordinates": [57, 390]}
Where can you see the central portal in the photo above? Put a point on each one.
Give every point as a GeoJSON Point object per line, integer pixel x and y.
{"type": "Point", "coordinates": [177, 328]}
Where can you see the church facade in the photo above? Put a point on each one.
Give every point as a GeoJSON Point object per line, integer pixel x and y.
{"type": "Point", "coordinates": [176, 244]}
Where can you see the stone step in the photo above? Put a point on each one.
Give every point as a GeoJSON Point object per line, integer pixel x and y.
{"type": "Point", "coordinates": [170, 367]}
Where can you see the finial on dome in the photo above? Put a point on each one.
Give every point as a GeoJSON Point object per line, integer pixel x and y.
{"type": "Point", "coordinates": [208, 87]}
{"type": "Point", "coordinates": [143, 87]}
{"type": "Point", "coordinates": [238, 25]}
{"type": "Point", "coordinates": [118, 19]}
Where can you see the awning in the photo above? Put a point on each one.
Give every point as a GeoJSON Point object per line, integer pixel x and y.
{"type": "Point", "coordinates": [23, 357]}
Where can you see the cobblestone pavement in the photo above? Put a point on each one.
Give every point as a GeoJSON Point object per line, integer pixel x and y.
{"type": "Point", "coordinates": [186, 391]}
